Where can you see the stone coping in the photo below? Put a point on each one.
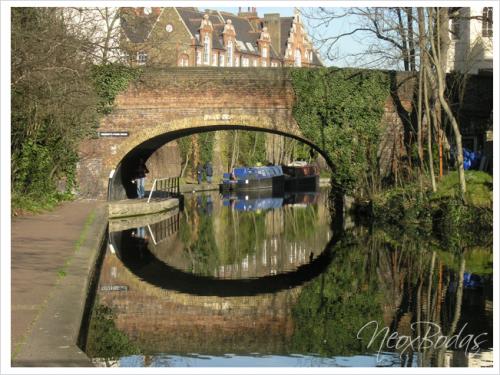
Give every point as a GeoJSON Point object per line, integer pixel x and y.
{"type": "Point", "coordinates": [138, 207]}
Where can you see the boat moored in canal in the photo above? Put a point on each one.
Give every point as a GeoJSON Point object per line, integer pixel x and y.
{"type": "Point", "coordinates": [254, 178]}
{"type": "Point", "coordinates": [301, 176]}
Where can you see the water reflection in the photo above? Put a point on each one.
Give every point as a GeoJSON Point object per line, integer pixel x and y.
{"type": "Point", "coordinates": [202, 289]}
{"type": "Point", "coordinates": [216, 249]}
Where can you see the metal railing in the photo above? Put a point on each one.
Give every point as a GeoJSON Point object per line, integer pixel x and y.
{"type": "Point", "coordinates": [164, 229]}
{"type": "Point", "coordinates": [164, 188]}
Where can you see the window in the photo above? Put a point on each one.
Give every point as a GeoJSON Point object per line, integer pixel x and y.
{"type": "Point", "coordinates": [264, 63]}
{"type": "Point", "coordinates": [142, 58]}
{"type": "Point", "coordinates": [198, 58]}
{"type": "Point", "coordinates": [264, 52]}
{"type": "Point", "coordinates": [229, 53]}
{"type": "Point", "coordinates": [455, 28]}
{"type": "Point", "coordinates": [244, 61]}
{"type": "Point", "coordinates": [255, 62]}
{"type": "Point", "coordinates": [298, 58]}
{"type": "Point", "coordinates": [311, 56]}
{"type": "Point", "coordinates": [237, 61]}
{"type": "Point", "coordinates": [221, 60]}
{"type": "Point", "coordinates": [214, 59]}
{"type": "Point", "coordinates": [184, 61]}
{"type": "Point", "coordinates": [206, 50]}
{"type": "Point", "coordinates": [488, 21]}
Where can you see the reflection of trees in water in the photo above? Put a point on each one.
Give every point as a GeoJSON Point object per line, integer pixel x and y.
{"type": "Point", "coordinates": [232, 243]}
{"type": "Point", "coordinates": [395, 281]}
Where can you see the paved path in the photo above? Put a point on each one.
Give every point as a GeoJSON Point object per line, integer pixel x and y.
{"type": "Point", "coordinates": [41, 246]}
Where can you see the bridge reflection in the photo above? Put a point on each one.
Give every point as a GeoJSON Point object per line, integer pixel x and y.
{"type": "Point", "coordinates": [260, 250]}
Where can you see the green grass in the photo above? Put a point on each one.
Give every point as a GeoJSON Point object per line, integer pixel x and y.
{"type": "Point", "coordinates": [479, 188]}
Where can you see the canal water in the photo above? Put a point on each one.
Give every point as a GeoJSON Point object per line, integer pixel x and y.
{"type": "Point", "coordinates": [256, 280]}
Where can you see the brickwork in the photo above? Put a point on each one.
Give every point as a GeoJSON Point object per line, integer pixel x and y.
{"type": "Point", "coordinates": [166, 103]}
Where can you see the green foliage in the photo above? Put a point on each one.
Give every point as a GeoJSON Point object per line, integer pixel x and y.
{"type": "Point", "coordinates": [104, 340]}
{"type": "Point", "coordinates": [53, 107]}
{"type": "Point", "coordinates": [109, 80]}
{"type": "Point", "coordinates": [340, 111]}
{"type": "Point", "coordinates": [479, 188]}
{"type": "Point", "coordinates": [455, 223]}
{"type": "Point", "coordinates": [206, 146]}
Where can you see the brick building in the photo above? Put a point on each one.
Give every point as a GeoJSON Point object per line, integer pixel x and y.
{"type": "Point", "coordinates": [180, 36]}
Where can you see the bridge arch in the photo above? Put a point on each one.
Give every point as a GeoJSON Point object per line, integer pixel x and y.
{"type": "Point", "coordinates": [144, 144]}
{"type": "Point", "coordinates": [166, 103]}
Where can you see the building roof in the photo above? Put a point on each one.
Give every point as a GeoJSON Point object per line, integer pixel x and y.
{"type": "Point", "coordinates": [286, 26]}
{"type": "Point", "coordinates": [192, 19]}
{"type": "Point", "coordinates": [136, 28]}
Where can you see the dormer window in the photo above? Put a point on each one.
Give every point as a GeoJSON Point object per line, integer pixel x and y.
{"type": "Point", "coordinates": [206, 50]}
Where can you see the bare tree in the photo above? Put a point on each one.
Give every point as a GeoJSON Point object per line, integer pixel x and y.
{"type": "Point", "coordinates": [101, 27]}
{"type": "Point", "coordinates": [386, 34]}
{"type": "Point", "coordinates": [394, 37]}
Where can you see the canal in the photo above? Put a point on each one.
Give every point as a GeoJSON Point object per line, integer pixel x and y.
{"type": "Point", "coordinates": [256, 280]}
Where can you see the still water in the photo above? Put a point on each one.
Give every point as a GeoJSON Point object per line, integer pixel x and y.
{"type": "Point", "coordinates": [271, 281]}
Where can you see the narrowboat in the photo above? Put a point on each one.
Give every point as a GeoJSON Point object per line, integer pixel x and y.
{"type": "Point", "coordinates": [301, 176]}
{"type": "Point", "coordinates": [254, 178]}
{"type": "Point", "coordinates": [260, 200]}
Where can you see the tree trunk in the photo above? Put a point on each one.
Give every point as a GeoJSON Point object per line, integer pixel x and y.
{"type": "Point", "coordinates": [429, 135]}
{"type": "Point", "coordinates": [441, 21]}
{"type": "Point", "coordinates": [411, 40]}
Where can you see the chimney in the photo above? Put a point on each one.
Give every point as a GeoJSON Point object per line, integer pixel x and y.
{"type": "Point", "coordinates": [251, 15]}
{"type": "Point", "coordinates": [273, 24]}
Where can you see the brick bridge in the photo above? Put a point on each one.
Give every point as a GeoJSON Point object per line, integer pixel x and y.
{"type": "Point", "coordinates": [165, 104]}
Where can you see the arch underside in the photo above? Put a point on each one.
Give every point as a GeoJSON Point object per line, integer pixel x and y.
{"type": "Point", "coordinates": [119, 188]}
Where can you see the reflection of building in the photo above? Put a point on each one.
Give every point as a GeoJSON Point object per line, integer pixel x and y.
{"type": "Point", "coordinates": [471, 47]}
{"type": "Point", "coordinates": [166, 321]}
{"type": "Point", "coordinates": [182, 36]}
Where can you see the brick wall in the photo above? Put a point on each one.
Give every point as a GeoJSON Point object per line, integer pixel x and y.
{"type": "Point", "coordinates": [165, 102]}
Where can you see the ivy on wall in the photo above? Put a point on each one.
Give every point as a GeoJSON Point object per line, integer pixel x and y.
{"type": "Point", "coordinates": [109, 80]}
{"type": "Point", "coordinates": [340, 110]}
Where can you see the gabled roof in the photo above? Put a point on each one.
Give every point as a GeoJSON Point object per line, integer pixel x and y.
{"type": "Point", "coordinates": [192, 19]}
{"type": "Point", "coordinates": [286, 26]}
{"type": "Point", "coordinates": [136, 28]}
{"type": "Point", "coordinates": [244, 31]}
